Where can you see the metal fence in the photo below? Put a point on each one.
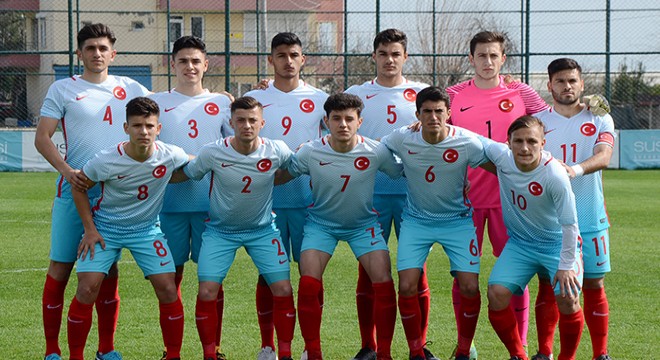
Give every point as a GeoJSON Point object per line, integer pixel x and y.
{"type": "Point", "coordinates": [612, 39]}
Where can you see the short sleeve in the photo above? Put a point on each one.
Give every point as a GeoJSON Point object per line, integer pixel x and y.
{"type": "Point", "coordinates": [93, 169]}
{"type": "Point", "coordinates": [53, 106]}
{"type": "Point", "coordinates": [388, 163]}
{"type": "Point", "coordinates": [285, 154]}
{"type": "Point", "coordinates": [606, 133]}
{"type": "Point", "coordinates": [562, 195]}
{"type": "Point", "coordinates": [299, 162]}
{"type": "Point", "coordinates": [180, 157]}
{"type": "Point", "coordinates": [394, 139]}
{"type": "Point", "coordinates": [476, 152]}
{"type": "Point", "coordinates": [202, 164]}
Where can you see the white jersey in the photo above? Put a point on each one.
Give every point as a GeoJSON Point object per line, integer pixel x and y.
{"type": "Point", "coordinates": [573, 140]}
{"type": "Point", "coordinates": [92, 117]}
{"type": "Point", "coordinates": [436, 173]}
{"type": "Point", "coordinates": [386, 109]}
{"type": "Point", "coordinates": [191, 122]}
{"type": "Point", "coordinates": [241, 185]}
{"type": "Point", "coordinates": [535, 204]}
{"type": "Point", "coordinates": [343, 183]}
{"type": "Point", "coordinates": [294, 117]}
{"type": "Point", "coordinates": [131, 191]}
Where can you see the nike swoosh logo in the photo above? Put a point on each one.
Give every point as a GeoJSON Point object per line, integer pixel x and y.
{"type": "Point", "coordinates": [165, 263]}
{"type": "Point", "coordinates": [375, 242]}
{"type": "Point", "coordinates": [412, 153]}
{"type": "Point", "coordinates": [407, 317]}
{"type": "Point", "coordinates": [290, 315]}
{"type": "Point", "coordinates": [226, 165]}
{"type": "Point", "coordinates": [262, 313]}
{"type": "Point", "coordinates": [108, 302]}
{"type": "Point", "coordinates": [198, 318]}
{"type": "Point", "coordinates": [466, 108]}
{"type": "Point", "coordinates": [370, 96]}
{"type": "Point", "coordinates": [81, 97]}
{"type": "Point", "coordinates": [178, 317]}
{"type": "Point", "coordinates": [549, 131]}
{"type": "Point", "coordinates": [469, 316]}
{"type": "Point", "coordinates": [51, 307]}
{"type": "Point", "coordinates": [267, 105]}
{"type": "Point", "coordinates": [520, 309]}
{"type": "Point", "coordinates": [601, 263]}
{"type": "Point", "coordinates": [324, 163]}
{"type": "Point", "coordinates": [474, 262]}
{"type": "Point", "coordinates": [74, 321]}
{"type": "Point", "coordinates": [540, 304]}
{"type": "Point", "coordinates": [170, 109]}
{"type": "Point", "coordinates": [121, 176]}
{"type": "Point", "coordinates": [596, 313]}
{"type": "Point", "coordinates": [283, 261]}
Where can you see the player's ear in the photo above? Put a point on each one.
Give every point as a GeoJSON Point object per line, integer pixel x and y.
{"type": "Point", "coordinates": [126, 126]}
{"type": "Point", "coordinates": [112, 57]}
{"type": "Point", "coordinates": [503, 57]}
{"type": "Point", "coordinates": [206, 64]}
{"type": "Point", "coordinates": [270, 59]}
{"type": "Point", "coordinates": [550, 86]}
{"type": "Point", "coordinates": [158, 128]}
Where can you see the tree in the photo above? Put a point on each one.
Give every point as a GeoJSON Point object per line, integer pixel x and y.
{"type": "Point", "coordinates": [629, 85]}
{"type": "Point", "coordinates": [12, 31]}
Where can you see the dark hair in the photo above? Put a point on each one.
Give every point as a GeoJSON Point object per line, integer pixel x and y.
{"type": "Point", "coordinates": [94, 31]}
{"type": "Point", "coordinates": [562, 64]}
{"type": "Point", "coordinates": [284, 38]}
{"type": "Point", "coordinates": [141, 106]}
{"type": "Point", "coordinates": [188, 42]}
{"type": "Point", "coordinates": [391, 36]}
{"type": "Point", "coordinates": [525, 121]}
{"type": "Point", "coordinates": [343, 101]}
{"type": "Point", "coordinates": [486, 37]}
{"type": "Point", "coordinates": [245, 103]}
{"type": "Point", "coordinates": [431, 93]}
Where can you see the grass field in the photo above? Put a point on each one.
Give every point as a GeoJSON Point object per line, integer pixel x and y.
{"type": "Point", "coordinates": [633, 202]}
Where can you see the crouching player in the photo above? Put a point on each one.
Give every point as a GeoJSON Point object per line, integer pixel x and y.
{"type": "Point", "coordinates": [133, 177]}
{"type": "Point", "coordinates": [541, 219]}
{"type": "Point", "coordinates": [243, 168]}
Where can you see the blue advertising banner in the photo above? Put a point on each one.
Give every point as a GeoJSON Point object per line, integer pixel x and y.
{"type": "Point", "coordinates": [11, 151]}
{"type": "Point", "coordinates": [639, 149]}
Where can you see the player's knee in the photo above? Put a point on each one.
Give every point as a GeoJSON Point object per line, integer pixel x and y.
{"type": "Point", "coordinates": [498, 297]}
{"type": "Point", "coordinates": [281, 288]}
{"type": "Point", "coordinates": [207, 292]}
{"type": "Point", "coordinates": [594, 283]}
{"type": "Point", "coordinates": [60, 271]}
{"type": "Point", "coordinates": [87, 291]}
{"type": "Point", "coordinates": [469, 288]}
{"type": "Point", "coordinates": [568, 305]}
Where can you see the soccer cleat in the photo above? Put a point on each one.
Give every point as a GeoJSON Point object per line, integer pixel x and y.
{"type": "Point", "coordinates": [540, 356]}
{"type": "Point", "coordinates": [604, 357]}
{"type": "Point", "coordinates": [303, 356]}
{"type": "Point", "coordinates": [221, 356]}
{"type": "Point", "coordinates": [266, 353]}
{"type": "Point", "coordinates": [463, 357]}
{"type": "Point", "coordinates": [53, 356]}
{"type": "Point", "coordinates": [428, 355]}
{"type": "Point", "coordinates": [417, 358]}
{"type": "Point", "coordinates": [473, 352]}
{"type": "Point", "coordinates": [164, 357]}
{"type": "Point", "coordinates": [365, 354]}
{"type": "Point", "coordinates": [516, 358]}
{"type": "Point", "coordinates": [112, 355]}
{"type": "Point", "coordinates": [286, 358]}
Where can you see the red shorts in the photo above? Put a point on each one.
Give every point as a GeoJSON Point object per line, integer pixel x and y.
{"type": "Point", "coordinates": [496, 229]}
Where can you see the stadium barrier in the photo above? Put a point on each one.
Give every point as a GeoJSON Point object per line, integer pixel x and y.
{"type": "Point", "coordinates": [633, 149]}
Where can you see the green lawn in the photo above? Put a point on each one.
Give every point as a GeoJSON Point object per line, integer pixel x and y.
{"type": "Point", "coordinates": [633, 202]}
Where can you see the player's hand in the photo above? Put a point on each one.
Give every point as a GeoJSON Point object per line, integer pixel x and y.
{"type": "Point", "coordinates": [508, 79]}
{"type": "Point", "coordinates": [569, 285]}
{"type": "Point", "coordinates": [230, 96]}
{"type": "Point", "coordinates": [466, 187]}
{"type": "Point", "coordinates": [77, 180]}
{"type": "Point", "coordinates": [88, 243]}
{"type": "Point", "coordinates": [597, 104]}
{"type": "Point", "coordinates": [261, 85]}
{"type": "Point", "coordinates": [569, 170]}
{"type": "Point", "coordinates": [416, 126]}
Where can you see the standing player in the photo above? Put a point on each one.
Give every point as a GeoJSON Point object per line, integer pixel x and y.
{"type": "Point", "coordinates": [439, 154]}
{"type": "Point", "coordinates": [487, 106]}
{"type": "Point", "coordinates": [583, 141]}
{"type": "Point", "coordinates": [540, 216]}
{"type": "Point", "coordinates": [133, 177]}
{"type": "Point", "coordinates": [343, 167]}
{"type": "Point", "coordinates": [293, 112]}
{"type": "Point", "coordinates": [90, 109]}
{"type": "Point", "coordinates": [191, 117]}
{"type": "Point", "coordinates": [389, 103]}
{"type": "Point", "coordinates": [243, 169]}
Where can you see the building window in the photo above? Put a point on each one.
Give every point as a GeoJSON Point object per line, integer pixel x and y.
{"type": "Point", "coordinates": [197, 26]}
{"type": "Point", "coordinates": [137, 25]}
{"type": "Point", "coordinates": [176, 29]}
{"type": "Point", "coordinates": [327, 36]}
{"type": "Point", "coordinates": [43, 44]}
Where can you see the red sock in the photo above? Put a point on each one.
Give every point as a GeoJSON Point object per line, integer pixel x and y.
{"type": "Point", "coordinates": [504, 324]}
{"type": "Point", "coordinates": [547, 317]}
{"type": "Point", "coordinates": [310, 312]}
{"type": "Point", "coordinates": [78, 325]}
{"type": "Point", "coordinates": [265, 315]}
{"type": "Point", "coordinates": [178, 278]}
{"type": "Point", "coordinates": [570, 331]}
{"type": "Point", "coordinates": [107, 310]}
{"type": "Point", "coordinates": [220, 310]}
{"type": "Point", "coordinates": [52, 305]}
{"type": "Point", "coordinates": [385, 307]}
{"type": "Point", "coordinates": [206, 318]}
{"type": "Point", "coordinates": [424, 299]}
{"type": "Point", "coordinates": [171, 324]}
{"type": "Point", "coordinates": [285, 322]}
{"type": "Point", "coordinates": [411, 317]}
{"type": "Point", "coordinates": [456, 302]}
{"type": "Point", "coordinates": [520, 306]}
{"type": "Point", "coordinates": [470, 308]}
{"type": "Point", "coordinates": [596, 314]}
{"type": "Point", "coordinates": [364, 298]}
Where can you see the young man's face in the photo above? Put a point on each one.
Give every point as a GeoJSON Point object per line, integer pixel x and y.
{"type": "Point", "coordinates": [343, 124]}
{"type": "Point", "coordinates": [566, 87]}
{"type": "Point", "coordinates": [247, 123]}
{"type": "Point", "coordinates": [189, 65]}
{"type": "Point", "coordinates": [433, 115]}
{"type": "Point", "coordinates": [526, 145]}
{"type": "Point", "coordinates": [389, 59]}
{"type": "Point", "coordinates": [142, 130]}
{"type": "Point", "coordinates": [96, 54]}
{"type": "Point", "coordinates": [287, 60]}
{"type": "Point", "coordinates": [487, 60]}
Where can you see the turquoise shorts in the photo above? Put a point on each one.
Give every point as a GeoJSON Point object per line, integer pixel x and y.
{"type": "Point", "coordinates": [150, 252]}
{"type": "Point", "coordinates": [516, 266]}
{"type": "Point", "coordinates": [291, 223]}
{"type": "Point", "coordinates": [264, 247]}
{"type": "Point", "coordinates": [389, 208]}
{"type": "Point", "coordinates": [596, 254]}
{"type": "Point", "coordinates": [362, 240]}
{"type": "Point", "coordinates": [184, 234]}
{"type": "Point", "coordinates": [457, 238]}
{"type": "Point", "coordinates": [66, 231]}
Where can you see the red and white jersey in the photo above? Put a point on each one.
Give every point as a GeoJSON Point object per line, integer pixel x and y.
{"type": "Point", "coordinates": [92, 117]}
{"type": "Point", "coordinates": [386, 109]}
{"type": "Point", "coordinates": [572, 140]}
{"type": "Point", "coordinates": [191, 122]}
{"type": "Point", "coordinates": [294, 117]}
{"type": "Point", "coordinates": [131, 191]}
{"type": "Point", "coordinates": [489, 112]}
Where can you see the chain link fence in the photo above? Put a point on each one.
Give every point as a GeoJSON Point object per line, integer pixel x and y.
{"type": "Point", "coordinates": [610, 38]}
